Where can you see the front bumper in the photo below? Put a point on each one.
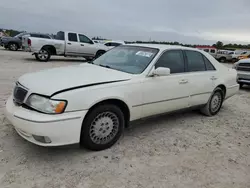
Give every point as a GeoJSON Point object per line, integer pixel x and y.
{"type": "Point", "coordinates": [62, 129]}
{"type": "Point", "coordinates": [243, 77]}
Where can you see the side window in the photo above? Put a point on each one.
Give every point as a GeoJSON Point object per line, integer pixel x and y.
{"type": "Point", "coordinates": [212, 51]}
{"type": "Point", "coordinates": [209, 65]}
{"type": "Point", "coordinates": [84, 39]}
{"type": "Point", "coordinates": [206, 50]}
{"type": "Point", "coordinates": [115, 44]}
{"type": "Point", "coordinates": [46, 37]}
{"type": "Point", "coordinates": [195, 61]}
{"type": "Point", "coordinates": [72, 37]}
{"type": "Point", "coordinates": [108, 44]}
{"type": "Point", "coordinates": [173, 60]}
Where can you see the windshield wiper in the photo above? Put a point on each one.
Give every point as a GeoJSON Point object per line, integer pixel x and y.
{"type": "Point", "coordinates": [106, 66]}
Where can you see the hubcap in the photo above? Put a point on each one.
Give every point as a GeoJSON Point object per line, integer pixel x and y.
{"type": "Point", "coordinates": [43, 54]}
{"type": "Point", "coordinates": [104, 127]}
{"type": "Point", "coordinates": [215, 102]}
{"type": "Point", "coordinates": [13, 47]}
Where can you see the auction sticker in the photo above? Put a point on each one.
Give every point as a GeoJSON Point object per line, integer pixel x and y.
{"type": "Point", "coordinates": [145, 54]}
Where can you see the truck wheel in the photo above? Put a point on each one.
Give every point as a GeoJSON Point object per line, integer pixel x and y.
{"type": "Point", "coordinates": [43, 55]}
{"type": "Point", "coordinates": [222, 59]}
{"type": "Point", "coordinates": [234, 60]}
{"type": "Point", "coordinates": [99, 53]}
{"type": "Point", "coordinates": [13, 46]}
{"type": "Point", "coordinates": [102, 127]}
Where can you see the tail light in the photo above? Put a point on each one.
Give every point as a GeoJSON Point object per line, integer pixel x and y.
{"type": "Point", "coordinates": [29, 42]}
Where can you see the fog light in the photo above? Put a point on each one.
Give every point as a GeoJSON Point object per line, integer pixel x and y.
{"type": "Point", "coordinates": [43, 139]}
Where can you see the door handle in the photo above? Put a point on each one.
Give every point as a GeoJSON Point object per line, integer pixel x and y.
{"type": "Point", "coordinates": [183, 81]}
{"type": "Point", "coordinates": [82, 44]}
{"type": "Point", "coordinates": [213, 78]}
{"type": "Point", "coordinates": [69, 43]}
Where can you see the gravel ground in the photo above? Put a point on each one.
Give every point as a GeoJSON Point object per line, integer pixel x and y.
{"type": "Point", "coordinates": [180, 150]}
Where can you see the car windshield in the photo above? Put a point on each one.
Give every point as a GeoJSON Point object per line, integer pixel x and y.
{"type": "Point", "coordinates": [130, 59]}
{"type": "Point", "coordinates": [20, 35]}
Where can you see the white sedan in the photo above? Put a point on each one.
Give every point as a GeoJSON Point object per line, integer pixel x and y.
{"type": "Point", "coordinates": [92, 103]}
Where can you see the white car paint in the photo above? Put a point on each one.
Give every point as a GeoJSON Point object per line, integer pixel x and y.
{"type": "Point", "coordinates": [67, 47]}
{"type": "Point", "coordinates": [144, 95]}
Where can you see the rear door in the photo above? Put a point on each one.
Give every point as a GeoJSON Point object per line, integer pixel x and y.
{"type": "Point", "coordinates": [72, 44]}
{"type": "Point", "coordinates": [87, 46]}
{"type": "Point", "coordinates": [201, 76]}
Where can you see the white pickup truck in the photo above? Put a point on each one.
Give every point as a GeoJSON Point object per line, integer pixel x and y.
{"type": "Point", "coordinates": [64, 44]}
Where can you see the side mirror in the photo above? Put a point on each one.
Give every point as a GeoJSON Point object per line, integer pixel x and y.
{"type": "Point", "coordinates": [161, 71]}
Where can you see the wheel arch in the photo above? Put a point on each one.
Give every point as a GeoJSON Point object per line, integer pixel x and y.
{"type": "Point", "coordinates": [50, 48]}
{"type": "Point", "coordinates": [118, 102]}
{"type": "Point", "coordinates": [224, 89]}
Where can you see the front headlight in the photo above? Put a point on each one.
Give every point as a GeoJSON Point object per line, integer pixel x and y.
{"type": "Point", "coordinates": [46, 105]}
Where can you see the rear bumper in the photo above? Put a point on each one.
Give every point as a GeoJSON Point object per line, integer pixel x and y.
{"type": "Point", "coordinates": [57, 130]}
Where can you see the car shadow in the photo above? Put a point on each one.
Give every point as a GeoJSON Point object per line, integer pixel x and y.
{"type": "Point", "coordinates": [58, 60]}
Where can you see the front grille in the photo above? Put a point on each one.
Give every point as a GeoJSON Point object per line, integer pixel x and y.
{"type": "Point", "coordinates": [19, 94]}
{"type": "Point", "coordinates": [243, 67]}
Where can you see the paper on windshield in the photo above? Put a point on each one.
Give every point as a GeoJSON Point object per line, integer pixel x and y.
{"type": "Point", "coordinates": [145, 54]}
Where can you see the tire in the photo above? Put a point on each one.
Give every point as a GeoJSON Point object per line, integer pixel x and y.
{"type": "Point", "coordinates": [241, 85]}
{"type": "Point", "coordinates": [43, 55]}
{"type": "Point", "coordinates": [234, 60]}
{"type": "Point", "coordinates": [99, 53]}
{"type": "Point", "coordinates": [211, 108]}
{"type": "Point", "coordinates": [98, 121]}
{"type": "Point", "coordinates": [222, 59]}
{"type": "Point", "coordinates": [13, 46]}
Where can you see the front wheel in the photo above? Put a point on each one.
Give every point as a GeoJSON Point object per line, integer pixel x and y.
{"type": "Point", "coordinates": [102, 127]}
{"type": "Point", "coordinates": [43, 55]}
{"type": "Point", "coordinates": [214, 104]}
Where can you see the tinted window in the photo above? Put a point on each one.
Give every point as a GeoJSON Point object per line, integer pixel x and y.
{"type": "Point", "coordinates": [212, 51]}
{"type": "Point", "coordinates": [115, 44]}
{"type": "Point", "coordinates": [72, 37]}
{"type": "Point", "coordinates": [84, 39]}
{"type": "Point", "coordinates": [206, 50]}
{"type": "Point", "coordinates": [46, 36]}
{"type": "Point", "coordinates": [195, 61]}
{"type": "Point", "coordinates": [208, 64]}
{"type": "Point", "coordinates": [173, 60]}
{"type": "Point", "coordinates": [108, 44]}
{"type": "Point", "coordinates": [60, 35]}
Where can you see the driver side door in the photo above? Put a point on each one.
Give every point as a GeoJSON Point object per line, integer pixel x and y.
{"type": "Point", "coordinates": [166, 93]}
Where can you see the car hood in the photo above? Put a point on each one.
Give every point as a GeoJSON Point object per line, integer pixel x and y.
{"type": "Point", "coordinates": [48, 82]}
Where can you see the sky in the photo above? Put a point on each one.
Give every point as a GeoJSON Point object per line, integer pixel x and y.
{"type": "Point", "coordinates": [186, 21]}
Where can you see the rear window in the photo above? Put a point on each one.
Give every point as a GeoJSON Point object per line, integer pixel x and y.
{"type": "Point", "coordinates": [60, 35]}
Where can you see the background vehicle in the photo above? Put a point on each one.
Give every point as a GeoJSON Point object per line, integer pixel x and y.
{"type": "Point", "coordinates": [224, 55]}
{"type": "Point", "coordinates": [238, 53]}
{"type": "Point", "coordinates": [92, 103]}
{"type": "Point", "coordinates": [112, 44]}
{"type": "Point", "coordinates": [243, 71]}
{"type": "Point", "coordinates": [65, 44]}
{"type": "Point", "coordinates": [209, 49]}
{"type": "Point", "coordinates": [15, 43]}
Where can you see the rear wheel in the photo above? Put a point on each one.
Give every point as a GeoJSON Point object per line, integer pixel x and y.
{"type": "Point", "coordinates": [241, 85]}
{"type": "Point", "coordinates": [13, 46]}
{"type": "Point", "coordinates": [102, 127]}
{"type": "Point", "coordinates": [214, 104]}
{"type": "Point", "coordinates": [99, 53]}
{"type": "Point", "coordinates": [222, 59]}
{"type": "Point", "coordinates": [43, 55]}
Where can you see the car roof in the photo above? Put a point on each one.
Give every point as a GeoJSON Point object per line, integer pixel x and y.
{"type": "Point", "coordinates": [163, 46]}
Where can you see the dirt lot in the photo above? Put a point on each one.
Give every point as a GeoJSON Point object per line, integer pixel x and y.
{"type": "Point", "coordinates": [179, 150]}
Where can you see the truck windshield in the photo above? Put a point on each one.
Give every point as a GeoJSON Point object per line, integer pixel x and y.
{"type": "Point", "coordinates": [130, 59]}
